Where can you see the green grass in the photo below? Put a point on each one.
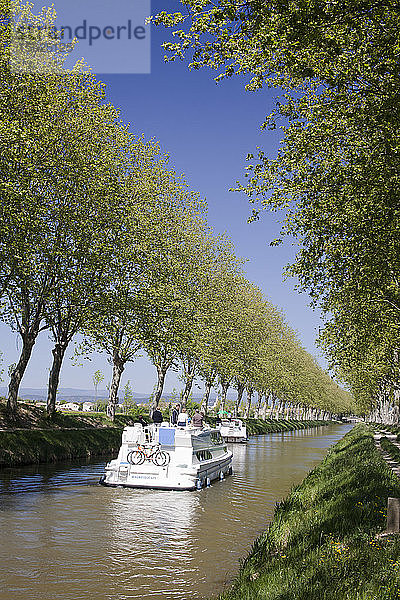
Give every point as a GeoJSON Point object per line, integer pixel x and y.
{"type": "Point", "coordinates": [395, 429]}
{"type": "Point", "coordinates": [390, 448]}
{"type": "Point", "coordinates": [26, 447]}
{"type": "Point", "coordinates": [259, 426]}
{"type": "Point", "coordinates": [31, 437]}
{"type": "Point", "coordinates": [30, 416]}
{"type": "Point", "coordinates": [321, 544]}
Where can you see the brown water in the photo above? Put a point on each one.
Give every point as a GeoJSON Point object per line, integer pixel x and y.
{"type": "Point", "coordinates": [64, 537]}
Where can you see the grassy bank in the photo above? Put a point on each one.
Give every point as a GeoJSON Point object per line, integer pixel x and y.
{"type": "Point", "coordinates": [24, 447]}
{"type": "Point", "coordinates": [30, 416]}
{"type": "Point", "coordinates": [321, 544]}
{"type": "Point", "coordinates": [390, 448]}
{"type": "Point", "coordinates": [259, 426]}
{"type": "Point", "coordinates": [30, 437]}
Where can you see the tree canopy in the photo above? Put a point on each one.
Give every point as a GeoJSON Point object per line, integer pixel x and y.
{"type": "Point", "coordinates": [336, 174]}
{"type": "Point", "coordinates": [100, 236]}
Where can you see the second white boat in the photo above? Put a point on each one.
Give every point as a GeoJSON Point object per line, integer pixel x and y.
{"type": "Point", "coordinates": [233, 430]}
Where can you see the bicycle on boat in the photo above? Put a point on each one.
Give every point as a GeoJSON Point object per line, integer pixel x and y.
{"type": "Point", "coordinates": [151, 453]}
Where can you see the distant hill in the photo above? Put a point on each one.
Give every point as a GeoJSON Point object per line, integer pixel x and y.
{"type": "Point", "coordinates": [69, 394]}
{"type": "Point", "coordinates": [82, 395]}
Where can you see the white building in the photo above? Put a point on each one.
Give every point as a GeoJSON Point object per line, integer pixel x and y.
{"type": "Point", "coordinates": [88, 406]}
{"type": "Point", "coordinates": [70, 406]}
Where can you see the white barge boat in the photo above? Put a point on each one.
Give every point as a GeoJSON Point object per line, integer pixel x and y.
{"type": "Point", "coordinates": [233, 430]}
{"type": "Point", "coordinates": [171, 458]}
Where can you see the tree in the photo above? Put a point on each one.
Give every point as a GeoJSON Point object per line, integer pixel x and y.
{"type": "Point", "coordinates": [66, 163]}
{"type": "Point", "coordinates": [63, 154]}
{"type": "Point", "coordinates": [97, 378]}
{"type": "Point", "coordinates": [170, 326]}
{"type": "Point", "coordinates": [209, 299]}
{"type": "Point", "coordinates": [336, 173]}
{"type": "Point", "coordinates": [85, 215]}
{"type": "Point", "coordinates": [146, 301]}
{"type": "Point", "coordinates": [217, 318]}
{"type": "Point", "coordinates": [128, 403]}
{"type": "Point", "coordinates": [28, 165]}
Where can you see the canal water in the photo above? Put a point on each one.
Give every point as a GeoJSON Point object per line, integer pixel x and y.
{"type": "Point", "coordinates": [65, 537]}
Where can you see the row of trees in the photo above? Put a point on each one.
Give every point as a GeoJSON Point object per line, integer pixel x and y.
{"type": "Point", "coordinates": [99, 236]}
{"type": "Point", "coordinates": [336, 173]}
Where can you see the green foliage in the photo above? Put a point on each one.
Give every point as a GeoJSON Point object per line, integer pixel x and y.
{"type": "Point", "coordinates": [97, 378]}
{"type": "Point", "coordinates": [259, 427]}
{"type": "Point", "coordinates": [101, 405]}
{"type": "Point", "coordinates": [99, 235]}
{"type": "Point", "coordinates": [336, 173]}
{"type": "Point", "coordinates": [64, 158]}
{"type": "Point", "coordinates": [128, 403]}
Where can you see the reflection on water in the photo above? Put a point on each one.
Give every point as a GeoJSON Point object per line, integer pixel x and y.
{"type": "Point", "coordinates": [65, 537]}
{"type": "Point", "coordinates": [153, 529]}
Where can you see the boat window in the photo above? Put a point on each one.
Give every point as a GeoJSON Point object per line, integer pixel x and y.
{"type": "Point", "coordinates": [204, 455]}
{"type": "Point", "coordinates": [216, 437]}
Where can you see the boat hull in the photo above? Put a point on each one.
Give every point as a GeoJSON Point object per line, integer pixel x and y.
{"type": "Point", "coordinates": [170, 479]}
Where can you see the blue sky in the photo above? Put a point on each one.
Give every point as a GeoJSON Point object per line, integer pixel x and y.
{"type": "Point", "coordinates": [208, 129]}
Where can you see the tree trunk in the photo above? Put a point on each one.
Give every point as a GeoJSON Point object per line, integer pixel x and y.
{"type": "Point", "coordinates": [187, 390]}
{"type": "Point", "coordinates": [249, 398]}
{"type": "Point", "coordinates": [28, 341]}
{"type": "Point", "coordinates": [272, 412]}
{"type": "Point", "coordinates": [396, 411]}
{"type": "Point", "coordinates": [161, 373]}
{"type": "Point", "coordinates": [260, 397]}
{"type": "Point", "coordinates": [291, 411]}
{"type": "Point", "coordinates": [281, 407]}
{"type": "Point", "coordinates": [118, 369]}
{"type": "Point", "coordinates": [224, 387]}
{"type": "Point", "coordinates": [264, 409]}
{"type": "Point", "coordinates": [204, 402]}
{"type": "Point", "coordinates": [54, 377]}
{"type": "Point", "coordinates": [240, 389]}
{"type": "Point", "coordinates": [217, 404]}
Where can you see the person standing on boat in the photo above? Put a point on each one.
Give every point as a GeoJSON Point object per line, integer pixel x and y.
{"type": "Point", "coordinates": [197, 420]}
{"type": "Point", "coordinates": [175, 414]}
{"type": "Point", "coordinates": [182, 418]}
{"type": "Point", "coordinates": [157, 416]}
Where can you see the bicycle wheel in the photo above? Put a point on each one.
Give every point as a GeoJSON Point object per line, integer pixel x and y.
{"type": "Point", "coordinates": [135, 457]}
{"type": "Point", "coordinates": [161, 459]}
